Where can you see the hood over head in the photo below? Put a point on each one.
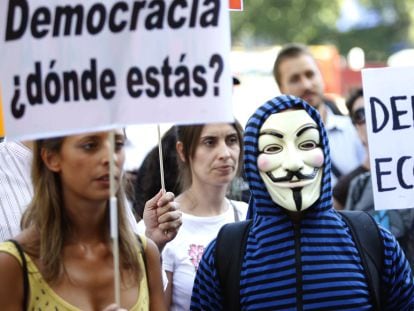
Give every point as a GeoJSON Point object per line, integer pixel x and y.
{"type": "Point", "coordinates": [261, 201]}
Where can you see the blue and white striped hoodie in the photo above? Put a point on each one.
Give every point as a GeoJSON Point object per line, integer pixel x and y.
{"type": "Point", "coordinates": [311, 264]}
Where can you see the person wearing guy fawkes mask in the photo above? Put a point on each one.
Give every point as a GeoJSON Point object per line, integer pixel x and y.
{"type": "Point", "coordinates": [290, 160]}
{"type": "Point", "coordinates": [299, 253]}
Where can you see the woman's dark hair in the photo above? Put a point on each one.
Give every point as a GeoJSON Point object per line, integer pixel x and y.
{"type": "Point", "coordinates": [353, 96]}
{"type": "Point", "coordinates": [148, 177]}
{"type": "Point", "coordinates": [289, 51]}
{"type": "Point", "coordinates": [189, 135]}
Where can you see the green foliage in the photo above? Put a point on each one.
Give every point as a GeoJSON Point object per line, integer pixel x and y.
{"type": "Point", "coordinates": [387, 37]}
{"type": "Point", "coordinates": [281, 21]}
{"type": "Point", "coordinates": [277, 22]}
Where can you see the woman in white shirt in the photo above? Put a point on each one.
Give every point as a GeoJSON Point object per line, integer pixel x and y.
{"type": "Point", "coordinates": [210, 157]}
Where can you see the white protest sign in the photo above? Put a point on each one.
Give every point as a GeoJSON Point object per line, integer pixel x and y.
{"type": "Point", "coordinates": [389, 106]}
{"type": "Point", "coordinates": [69, 66]}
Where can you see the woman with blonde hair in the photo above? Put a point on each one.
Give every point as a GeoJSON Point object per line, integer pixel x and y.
{"type": "Point", "coordinates": [62, 260]}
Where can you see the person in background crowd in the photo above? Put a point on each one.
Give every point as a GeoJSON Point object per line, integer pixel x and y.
{"type": "Point", "coordinates": [65, 244]}
{"type": "Point", "coordinates": [146, 180]}
{"type": "Point", "coordinates": [209, 158]}
{"type": "Point", "coordinates": [296, 73]}
{"type": "Point", "coordinates": [299, 253]}
{"type": "Point", "coordinates": [354, 103]}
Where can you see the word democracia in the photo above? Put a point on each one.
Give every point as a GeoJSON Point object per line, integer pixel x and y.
{"type": "Point", "coordinates": [76, 20]}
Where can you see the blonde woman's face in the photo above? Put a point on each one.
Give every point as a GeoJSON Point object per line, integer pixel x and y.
{"type": "Point", "coordinates": [216, 157]}
{"type": "Point", "coordinates": [83, 165]}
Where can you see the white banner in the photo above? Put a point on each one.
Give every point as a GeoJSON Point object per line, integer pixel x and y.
{"type": "Point", "coordinates": [389, 106]}
{"type": "Point", "coordinates": [70, 66]}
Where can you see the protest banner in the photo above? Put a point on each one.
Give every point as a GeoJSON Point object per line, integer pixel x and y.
{"type": "Point", "coordinates": [236, 5]}
{"type": "Point", "coordinates": [389, 106]}
{"type": "Point", "coordinates": [80, 66]}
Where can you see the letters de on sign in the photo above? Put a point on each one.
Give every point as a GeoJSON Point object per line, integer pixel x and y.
{"type": "Point", "coordinates": [102, 64]}
{"type": "Point", "coordinates": [389, 105]}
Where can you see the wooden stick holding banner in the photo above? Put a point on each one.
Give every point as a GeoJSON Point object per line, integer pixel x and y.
{"type": "Point", "coordinates": [2, 132]}
{"type": "Point", "coordinates": [161, 159]}
{"type": "Point", "coordinates": [113, 206]}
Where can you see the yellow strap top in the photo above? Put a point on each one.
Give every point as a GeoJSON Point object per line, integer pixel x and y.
{"type": "Point", "coordinates": [42, 297]}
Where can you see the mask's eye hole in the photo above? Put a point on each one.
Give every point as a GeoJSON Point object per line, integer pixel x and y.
{"type": "Point", "coordinates": [308, 145]}
{"type": "Point", "coordinates": [272, 149]}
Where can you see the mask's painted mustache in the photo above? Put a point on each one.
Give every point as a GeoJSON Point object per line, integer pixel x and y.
{"type": "Point", "coordinates": [291, 174]}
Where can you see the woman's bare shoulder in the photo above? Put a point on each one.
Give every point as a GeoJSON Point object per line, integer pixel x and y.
{"type": "Point", "coordinates": [11, 290]}
{"type": "Point", "coordinates": [9, 264]}
{"type": "Point", "coordinates": [151, 250]}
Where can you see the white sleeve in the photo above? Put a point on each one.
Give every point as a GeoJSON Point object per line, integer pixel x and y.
{"type": "Point", "coordinates": [164, 279]}
{"type": "Point", "coordinates": [141, 227]}
{"type": "Point", "coordinates": [241, 208]}
{"type": "Point", "coordinates": [167, 259]}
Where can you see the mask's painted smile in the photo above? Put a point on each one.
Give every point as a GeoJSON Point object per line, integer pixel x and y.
{"type": "Point", "coordinates": [289, 181]}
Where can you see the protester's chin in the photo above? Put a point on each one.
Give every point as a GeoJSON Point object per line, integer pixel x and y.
{"type": "Point", "coordinates": [308, 202]}
{"type": "Point", "coordinates": [312, 99]}
{"type": "Point", "coordinates": [281, 196]}
{"type": "Point", "coordinates": [103, 193]}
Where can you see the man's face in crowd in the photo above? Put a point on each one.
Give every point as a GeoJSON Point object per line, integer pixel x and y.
{"type": "Point", "coordinates": [291, 159]}
{"type": "Point", "coordinates": [301, 77]}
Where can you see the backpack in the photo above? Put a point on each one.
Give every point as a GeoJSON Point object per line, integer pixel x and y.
{"type": "Point", "coordinates": [231, 244]}
{"type": "Point", "coordinates": [399, 222]}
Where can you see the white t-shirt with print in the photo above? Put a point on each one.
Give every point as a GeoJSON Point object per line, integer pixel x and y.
{"type": "Point", "coordinates": [182, 255]}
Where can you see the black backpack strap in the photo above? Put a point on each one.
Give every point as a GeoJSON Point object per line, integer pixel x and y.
{"type": "Point", "coordinates": [25, 274]}
{"type": "Point", "coordinates": [368, 241]}
{"type": "Point", "coordinates": [230, 245]}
